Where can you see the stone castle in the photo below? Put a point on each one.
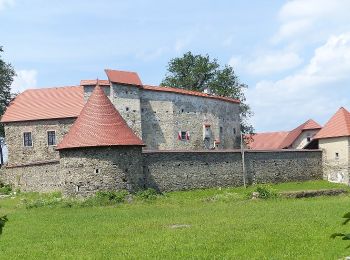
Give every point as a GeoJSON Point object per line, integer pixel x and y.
{"type": "Point", "coordinates": [121, 134]}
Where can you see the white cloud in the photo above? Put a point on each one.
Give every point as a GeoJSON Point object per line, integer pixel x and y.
{"type": "Point", "coordinates": [6, 3]}
{"type": "Point", "coordinates": [25, 79]}
{"type": "Point", "coordinates": [273, 63]}
{"type": "Point", "coordinates": [316, 90]}
{"type": "Point", "coordinates": [300, 18]}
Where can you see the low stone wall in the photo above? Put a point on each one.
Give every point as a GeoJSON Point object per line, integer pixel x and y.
{"type": "Point", "coordinates": [82, 172]}
{"type": "Point", "coordinates": [40, 176]}
{"type": "Point", "coordinates": [181, 170]}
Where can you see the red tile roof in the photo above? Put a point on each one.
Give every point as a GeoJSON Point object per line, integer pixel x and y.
{"type": "Point", "coordinates": [281, 140]}
{"type": "Point", "coordinates": [45, 103]}
{"type": "Point", "coordinates": [123, 77]}
{"type": "Point", "coordinates": [267, 141]}
{"type": "Point", "coordinates": [99, 124]}
{"type": "Point", "coordinates": [294, 134]}
{"type": "Point", "coordinates": [188, 92]}
{"type": "Point", "coordinates": [337, 126]}
{"type": "Point", "coordinates": [93, 82]}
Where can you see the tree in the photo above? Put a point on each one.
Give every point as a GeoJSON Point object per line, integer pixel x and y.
{"type": "Point", "coordinates": [200, 73]}
{"type": "Point", "coordinates": [7, 73]}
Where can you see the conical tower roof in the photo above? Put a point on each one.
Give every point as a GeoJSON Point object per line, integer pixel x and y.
{"type": "Point", "coordinates": [337, 126]}
{"type": "Point", "coordinates": [99, 124]}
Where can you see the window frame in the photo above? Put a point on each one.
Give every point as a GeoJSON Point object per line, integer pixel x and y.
{"type": "Point", "coordinates": [24, 139]}
{"type": "Point", "coordinates": [47, 138]}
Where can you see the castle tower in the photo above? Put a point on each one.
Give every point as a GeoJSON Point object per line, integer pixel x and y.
{"type": "Point", "coordinates": [100, 151]}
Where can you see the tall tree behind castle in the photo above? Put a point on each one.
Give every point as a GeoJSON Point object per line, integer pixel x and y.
{"type": "Point", "coordinates": [7, 73]}
{"type": "Point", "coordinates": [200, 73]}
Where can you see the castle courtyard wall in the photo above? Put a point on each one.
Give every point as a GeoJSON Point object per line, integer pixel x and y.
{"type": "Point", "coordinates": [181, 170]}
{"type": "Point", "coordinates": [40, 177]}
{"type": "Point", "coordinates": [127, 168]}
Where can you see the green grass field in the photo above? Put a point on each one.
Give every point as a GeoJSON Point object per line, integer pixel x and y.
{"type": "Point", "coordinates": [201, 224]}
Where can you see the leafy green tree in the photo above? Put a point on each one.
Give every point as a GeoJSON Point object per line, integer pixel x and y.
{"type": "Point", "coordinates": [200, 73]}
{"type": "Point", "coordinates": [7, 73]}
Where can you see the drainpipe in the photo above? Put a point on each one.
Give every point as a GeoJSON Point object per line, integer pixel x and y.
{"type": "Point", "coordinates": [243, 161]}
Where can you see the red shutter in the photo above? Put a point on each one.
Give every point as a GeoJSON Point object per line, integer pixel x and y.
{"type": "Point", "coordinates": [179, 135]}
{"type": "Point", "coordinates": [188, 135]}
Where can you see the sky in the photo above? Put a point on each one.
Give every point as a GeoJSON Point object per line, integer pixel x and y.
{"type": "Point", "coordinates": [294, 55]}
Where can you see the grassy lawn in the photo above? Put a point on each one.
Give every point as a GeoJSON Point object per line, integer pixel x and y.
{"type": "Point", "coordinates": [217, 224]}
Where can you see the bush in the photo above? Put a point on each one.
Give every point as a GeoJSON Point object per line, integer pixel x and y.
{"type": "Point", "coordinates": [149, 194]}
{"type": "Point", "coordinates": [263, 192]}
{"type": "Point", "coordinates": [109, 197]}
{"type": "Point", "coordinates": [5, 188]}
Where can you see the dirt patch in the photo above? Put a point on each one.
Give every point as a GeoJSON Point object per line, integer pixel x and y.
{"type": "Point", "coordinates": [313, 193]}
{"type": "Point", "coordinates": [180, 226]}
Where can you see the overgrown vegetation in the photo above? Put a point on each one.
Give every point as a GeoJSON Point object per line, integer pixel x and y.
{"type": "Point", "coordinates": [263, 192]}
{"type": "Point", "coordinates": [5, 188]}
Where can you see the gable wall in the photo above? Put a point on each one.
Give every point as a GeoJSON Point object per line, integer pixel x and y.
{"type": "Point", "coordinates": [336, 169]}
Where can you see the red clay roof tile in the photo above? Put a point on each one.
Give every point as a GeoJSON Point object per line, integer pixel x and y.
{"type": "Point", "coordinates": [337, 126]}
{"type": "Point", "coordinates": [45, 103]}
{"type": "Point", "coordinates": [188, 92]}
{"type": "Point", "coordinates": [294, 134]}
{"type": "Point", "coordinates": [267, 141]}
{"type": "Point", "coordinates": [123, 77]}
{"type": "Point", "coordinates": [281, 140]}
{"type": "Point", "coordinates": [99, 124]}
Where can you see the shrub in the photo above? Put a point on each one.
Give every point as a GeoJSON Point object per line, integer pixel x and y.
{"type": "Point", "coordinates": [5, 188]}
{"type": "Point", "coordinates": [263, 192]}
{"type": "Point", "coordinates": [149, 194]}
{"type": "Point", "coordinates": [112, 196]}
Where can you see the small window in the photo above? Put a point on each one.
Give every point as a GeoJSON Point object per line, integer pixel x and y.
{"type": "Point", "coordinates": [336, 156]}
{"type": "Point", "coordinates": [97, 171]}
{"type": "Point", "coordinates": [308, 139]}
{"type": "Point", "coordinates": [182, 110]}
{"type": "Point", "coordinates": [127, 109]}
{"type": "Point", "coordinates": [51, 137]}
{"type": "Point", "coordinates": [234, 131]}
{"type": "Point", "coordinates": [221, 130]}
{"type": "Point", "coordinates": [27, 139]}
{"type": "Point", "coordinates": [184, 135]}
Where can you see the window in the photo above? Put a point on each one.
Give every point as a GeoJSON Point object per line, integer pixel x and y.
{"type": "Point", "coordinates": [234, 131]}
{"type": "Point", "coordinates": [308, 139]}
{"type": "Point", "coordinates": [27, 139]}
{"type": "Point", "coordinates": [127, 109]}
{"type": "Point", "coordinates": [221, 130]}
{"type": "Point", "coordinates": [184, 135]}
{"type": "Point", "coordinates": [51, 137]}
{"type": "Point", "coordinates": [336, 156]}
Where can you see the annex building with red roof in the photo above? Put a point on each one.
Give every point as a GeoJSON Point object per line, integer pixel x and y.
{"type": "Point", "coordinates": [333, 139]}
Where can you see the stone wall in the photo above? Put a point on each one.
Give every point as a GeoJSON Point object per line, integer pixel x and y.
{"type": "Point", "coordinates": [40, 151]}
{"type": "Point", "coordinates": [87, 170]}
{"type": "Point", "coordinates": [165, 114]}
{"type": "Point", "coordinates": [181, 170]}
{"type": "Point", "coordinates": [82, 172]}
{"type": "Point", "coordinates": [41, 177]}
{"type": "Point", "coordinates": [336, 156]}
